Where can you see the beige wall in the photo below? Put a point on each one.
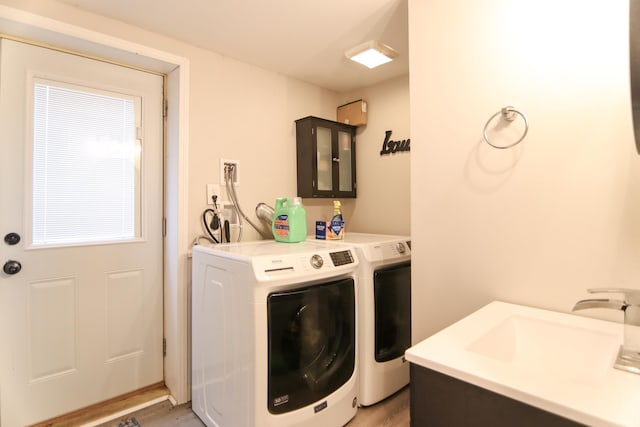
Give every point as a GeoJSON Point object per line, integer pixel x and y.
{"type": "Point", "coordinates": [383, 201]}
{"type": "Point", "coordinates": [541, 222]}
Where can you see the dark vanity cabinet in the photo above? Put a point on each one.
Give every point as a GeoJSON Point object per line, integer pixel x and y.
{"type": "Point", "coordinates": [326, 158]}
{"type": "Point", "coordinates": [438, 400]}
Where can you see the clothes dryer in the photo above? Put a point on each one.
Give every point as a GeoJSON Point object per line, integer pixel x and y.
{"type": "Point", "coordinates": [273, 334]}
{"type": "Point", "coordinates": [384, 312]}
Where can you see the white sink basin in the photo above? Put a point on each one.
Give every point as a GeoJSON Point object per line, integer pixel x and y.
{"type": "Point", "coordinates": [550, 348]}
{"type": "Point", "coordinates": [559, 362]}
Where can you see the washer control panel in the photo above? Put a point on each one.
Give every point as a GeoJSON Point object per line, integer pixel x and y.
{"type": "Point", "coordinates": [295, 263]}
{"type": "Point", "coordinates": [317, 261]}
{"type": "Point", "coordinates": [341, 258]}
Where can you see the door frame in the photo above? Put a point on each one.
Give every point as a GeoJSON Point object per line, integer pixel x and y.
{"type": "Point", "coordinates": [20, 24]}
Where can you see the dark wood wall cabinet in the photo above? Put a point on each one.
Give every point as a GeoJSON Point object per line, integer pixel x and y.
{"type": "Point", "coordinates": [326, 158]}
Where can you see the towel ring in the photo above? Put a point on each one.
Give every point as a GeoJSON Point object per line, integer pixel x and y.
{"type": "Point", "coordinates": [508, 114]}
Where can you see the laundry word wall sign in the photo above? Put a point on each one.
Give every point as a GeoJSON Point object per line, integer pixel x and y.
{"type": "Point", "coordinates": [389, 146]}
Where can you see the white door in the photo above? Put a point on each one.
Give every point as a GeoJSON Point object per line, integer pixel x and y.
{"type": "Point", "coordinates": [81, 184]}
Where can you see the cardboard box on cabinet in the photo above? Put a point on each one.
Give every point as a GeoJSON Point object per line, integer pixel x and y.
{"type": "Point", "coordinates": [354, 113]}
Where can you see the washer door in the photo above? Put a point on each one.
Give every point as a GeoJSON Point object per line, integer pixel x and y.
{"type": "Point", "coordinates": [311, 343]}
{"type": "Point", "coordinates": [392, 300]}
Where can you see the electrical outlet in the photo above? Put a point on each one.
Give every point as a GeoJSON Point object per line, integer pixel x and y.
{"type": "Point", "coordinates": [229, 213]}
{"type": "Point", "coordinates": [213, 190]}
{"type": "Point", "coordinates": [223, 164]}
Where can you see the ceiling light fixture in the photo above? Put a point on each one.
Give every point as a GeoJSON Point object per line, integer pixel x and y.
{"type": "Point", "coordinates": [371, 54]}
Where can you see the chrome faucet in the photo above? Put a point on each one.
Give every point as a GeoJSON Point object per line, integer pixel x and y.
{"type": "Point", "coordinates": [629, 354]}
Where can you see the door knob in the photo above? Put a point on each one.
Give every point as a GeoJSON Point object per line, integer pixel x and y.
{"type": "Point", "coordinates": [12, 238]}
{"type": "Point", "coordinates": [12, 267]}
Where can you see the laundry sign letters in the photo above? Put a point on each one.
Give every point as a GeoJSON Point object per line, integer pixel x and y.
{"type": "Point", "coordinates": [389, 146]}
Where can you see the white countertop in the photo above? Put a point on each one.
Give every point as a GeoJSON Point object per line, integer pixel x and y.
{"type": "Point", "coordinates": [561, 363]}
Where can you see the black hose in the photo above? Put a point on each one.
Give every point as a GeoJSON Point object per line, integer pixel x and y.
{"type": "Point", "coordinates": [227, 231]}
{"type": "Point", "coordinates": [206, 225]}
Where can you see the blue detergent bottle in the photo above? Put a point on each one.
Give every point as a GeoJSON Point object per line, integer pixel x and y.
{"type": "Point", "coordinates": [336, 225]}
{"type": "Point", "coordinates": [289, 221]}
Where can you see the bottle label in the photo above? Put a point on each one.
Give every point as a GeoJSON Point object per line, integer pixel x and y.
{"type": "Point", "coordinates": [321, 230]}
{"type": "Point", "coordinates": [281, 225]}
{"type": "Point", "coordinates": [336, 230]}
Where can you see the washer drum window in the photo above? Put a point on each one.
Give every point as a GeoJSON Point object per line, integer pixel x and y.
{"type": "Point", "coordinates": [311, 343]}
{"type": "Point", "coordinates": [392, 299]}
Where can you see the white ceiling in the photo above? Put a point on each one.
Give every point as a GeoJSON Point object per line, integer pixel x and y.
{"type": "Point", "coordinates": [305, 39]}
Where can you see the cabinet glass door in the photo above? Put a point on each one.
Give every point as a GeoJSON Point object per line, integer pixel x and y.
{"type": "Point", "coordinates": [324, 159]}
{"type": "Point", "coordinates": [345, 156]}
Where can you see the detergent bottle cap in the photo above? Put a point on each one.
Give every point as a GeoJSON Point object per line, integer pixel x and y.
{"type": "Point", "coordinates": [297, 201]}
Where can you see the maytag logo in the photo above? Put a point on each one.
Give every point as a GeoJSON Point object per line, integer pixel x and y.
{"type": "Point", "coordinates": [320, 407]}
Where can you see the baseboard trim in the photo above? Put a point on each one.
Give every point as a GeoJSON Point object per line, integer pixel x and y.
{"type": "Point", "coordinates": [126, 412]}
{"type": "Point", "coordinates": [111, 409]}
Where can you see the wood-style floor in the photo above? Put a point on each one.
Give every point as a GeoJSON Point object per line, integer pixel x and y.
{"type": "Point", "coordinates": [391, 412]}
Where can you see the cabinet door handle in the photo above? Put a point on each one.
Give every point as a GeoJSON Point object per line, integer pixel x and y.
{"type": "Point", "coordinates": [335, 159]}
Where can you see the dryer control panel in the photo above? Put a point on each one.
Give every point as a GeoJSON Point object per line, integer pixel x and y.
{"type": "Point", "coordinates": [387, 251]}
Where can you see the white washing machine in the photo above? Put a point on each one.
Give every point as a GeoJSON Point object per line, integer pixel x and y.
{"type": "Point", "coordinates": [273, 334]}
{"type": "Point", "coordinates": [384, 312]}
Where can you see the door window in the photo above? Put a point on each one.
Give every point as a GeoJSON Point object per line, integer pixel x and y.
{"type": "Point", "coordinates": [86, 165]}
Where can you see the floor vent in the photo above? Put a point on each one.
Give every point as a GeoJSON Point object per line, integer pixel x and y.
{"type": "Point", "coordinates": [129, 422]}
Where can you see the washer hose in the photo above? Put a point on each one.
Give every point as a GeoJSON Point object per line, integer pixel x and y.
{"type": "Point", "coordinates": [229, 177]}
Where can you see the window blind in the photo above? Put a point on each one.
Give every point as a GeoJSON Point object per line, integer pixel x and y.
{"type": "Point", "coordinates": [85, 165]}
